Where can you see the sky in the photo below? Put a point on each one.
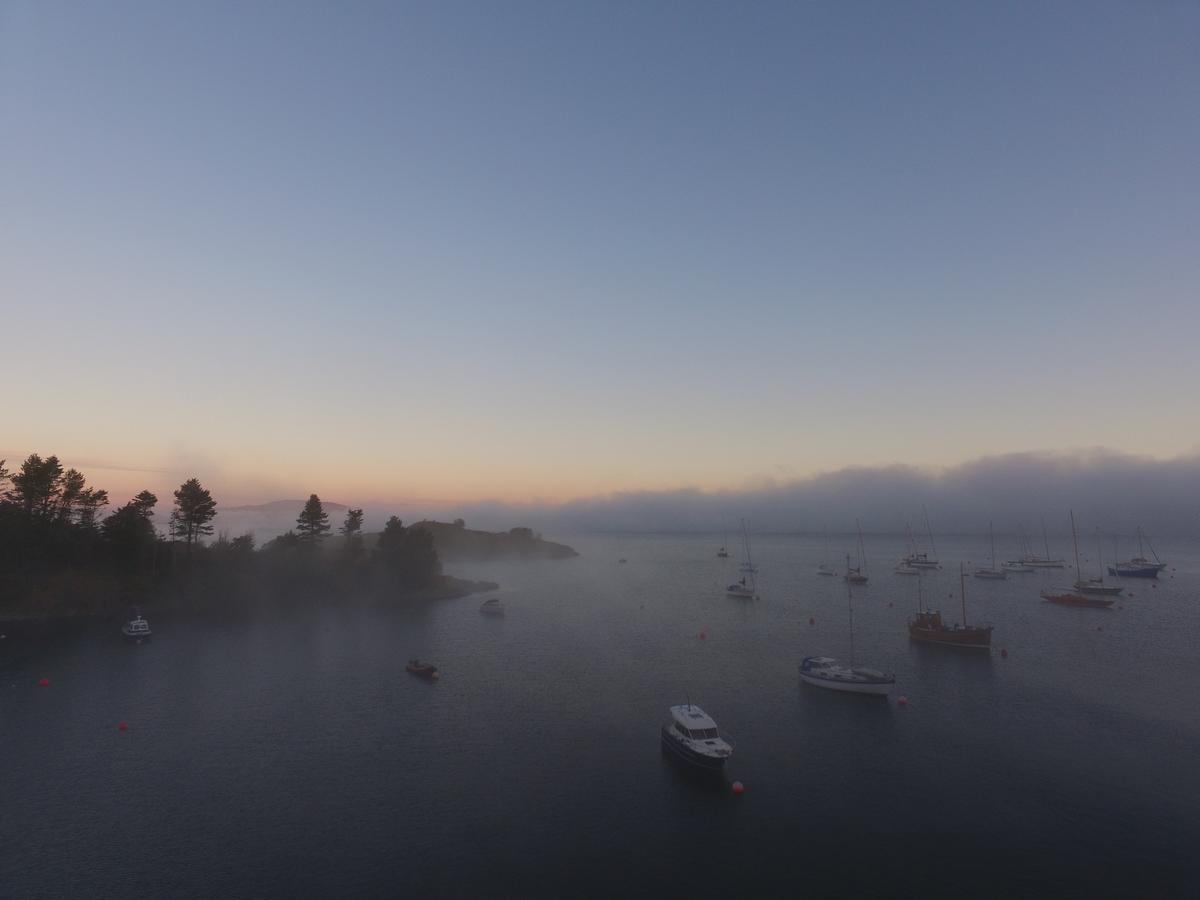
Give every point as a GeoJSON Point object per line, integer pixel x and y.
{"type": "Point", "coordinates": [446, 253]}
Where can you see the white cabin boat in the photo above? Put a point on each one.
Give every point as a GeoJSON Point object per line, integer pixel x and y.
{"type": "Point", "coordinates": [136, 629]}
{"type": "Point", "coordinates": [692, 737]}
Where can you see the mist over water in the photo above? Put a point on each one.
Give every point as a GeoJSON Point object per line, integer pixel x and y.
{"type": "Point", "coordinates": [292, 755]}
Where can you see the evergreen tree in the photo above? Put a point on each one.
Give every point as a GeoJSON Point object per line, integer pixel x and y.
{"type": "Point", "coordinates": [194, 510]}
{"type": "Point", "coordinates": [353, 523]}
{"type": "Point", "coordinates": [313, 523]}
{"type": "Point", "coordinates": [407, 555]}
{"type": "Point", "coordinates": [37, 488]}
{"type": "Point", "coordinates": [129, 531]}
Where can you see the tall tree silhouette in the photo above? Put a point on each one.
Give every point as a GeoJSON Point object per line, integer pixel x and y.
{"type": "Point", "coordinates": [194, 509]}
{"type": "Point", "coordinates": [313, 523]}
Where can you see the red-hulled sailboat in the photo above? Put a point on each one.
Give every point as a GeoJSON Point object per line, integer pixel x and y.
{"type": "Point", "coordinates": [927, 625]}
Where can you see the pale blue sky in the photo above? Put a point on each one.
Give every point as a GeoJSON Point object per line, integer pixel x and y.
{"type": "Point", "coordinates": [514, 250]}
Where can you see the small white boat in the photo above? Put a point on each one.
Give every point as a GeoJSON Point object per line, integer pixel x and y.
{"type": "Point", "coordinates": [692, 736]}
{"type": "Point", "coordinates": [823, 569]}
{"type": "Point", "coordinates": [1016, 565]}
{"type": "Point", "coordinates": [136, 629]}
{"type": "Point", "coordinates": [904, 568]}
{"type": "Point", "coordinates": [492, 607]}
{"type": "Point", "coordinates": [825, 672]}
{"type": "Point", "coordinates": [741, 589]}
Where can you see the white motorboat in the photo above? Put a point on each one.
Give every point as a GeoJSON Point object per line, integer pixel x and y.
{"type": "Point", "coordinates": [692, 736]}
{"type": "Point", "coordinates": [136, 629]}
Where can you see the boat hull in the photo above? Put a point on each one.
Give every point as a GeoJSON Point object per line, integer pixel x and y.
{"type": "Point", "coordinates": [686, 755]}
{"type": "Point", "coordinates": [1078, 600]}
{"type": "Point", "coordinates": [1134, 571]}
{"type": "Point", "coordinates": [872, 688]}
{"type": "Point", "coordinates": [964, 638]}
{"type": "Point", "coordinates": [1103, 590]}
{"type": "Point", "coordinates": [136, 638]}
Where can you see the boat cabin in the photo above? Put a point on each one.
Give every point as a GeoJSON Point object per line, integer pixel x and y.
{"type": "Point", "coordinates": [693, 723]}
{"type": "Point", "coordinates": [929, 619]}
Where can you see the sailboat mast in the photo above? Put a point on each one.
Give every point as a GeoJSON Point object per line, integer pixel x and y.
{"type": "Point", "coordinates": [1046, 540]}
{"type": "Point", "coordinates": [850, 607]}
{"type": "Point", "coordinates": [992, 532]}
{"type": "Point", "coordinates": [962, 589]}
{"type": "Point", "coordinates": [1075, 541]}
{"type": "Point", "coordinates": [862, 553]}
{"type": "Point", "coordinates": [1099, 553]}
{"type": "Point", "coordinates": [929, 528]}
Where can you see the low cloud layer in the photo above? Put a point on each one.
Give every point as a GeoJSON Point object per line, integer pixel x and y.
{"type": "Point", "coordinates": [1109, 490]}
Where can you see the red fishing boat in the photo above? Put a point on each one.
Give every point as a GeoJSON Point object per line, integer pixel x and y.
{"type": "Point", "coordinates": [927, 625]}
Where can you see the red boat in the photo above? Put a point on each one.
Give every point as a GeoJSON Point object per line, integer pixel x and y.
{"type": "Point", "coordinates": [928, 626]}
{"type": "Point", "coordinates": [1069, 599]}
{"type": "Point", "coordinates": [425, 670]}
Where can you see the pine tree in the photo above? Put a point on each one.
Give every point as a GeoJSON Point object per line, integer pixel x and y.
{"type": "Point", "coordinates": [313, 523]}
{"type": "Point", "coordinates": [194, 509]}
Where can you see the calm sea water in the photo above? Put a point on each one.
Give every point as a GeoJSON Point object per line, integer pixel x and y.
{"type": "Point", "coordinates": [292, 755]}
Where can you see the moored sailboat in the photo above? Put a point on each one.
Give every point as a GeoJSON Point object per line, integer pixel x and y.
{"type": "Point", "coordinates": [1090, 585]}
{"type": "Point", "coordinates": [826, 672]}
{"type": "Point", "coordinates": [1139, 566]}
{"type": "Point", "coordinates": [992, 573]}
{"type": "Point", "coordinates": [742, 588]}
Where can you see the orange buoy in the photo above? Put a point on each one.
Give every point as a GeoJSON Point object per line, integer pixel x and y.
{"type": "Point", "coordinates": [43, 682]}
{"type": "Point", "coordinates": [122, 726]}
{"type": "Point", "coordinates": [738, 788]}
{"type": "Point", "coordinates": [902, 700]}
{"type": "Point", "coordinates": [1003, 653]}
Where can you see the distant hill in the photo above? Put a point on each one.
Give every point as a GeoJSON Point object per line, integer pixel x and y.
{"type": "Point", "coordinates": [455, 541]}
{"type": "Point", "coordinates": [276, 506]}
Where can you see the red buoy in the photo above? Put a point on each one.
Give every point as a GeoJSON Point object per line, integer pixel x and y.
{"type": "Point", "coordinates": [812, 621]}
{"type": "Point", "coordinates": [703, 635]}
{"type": "Point", "coordinates": [122, 726]}
{"type": "Point", "coordinates": [902, 700]}
{"type": "Point", "coordinates": [1003, 654]}
{"type": "Point", "coordinates": [43, 682]}
{"type": "Point", "coordinates": [738, 788]}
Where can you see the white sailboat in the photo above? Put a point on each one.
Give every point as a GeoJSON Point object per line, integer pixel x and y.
{"type": "Point", "coordinates": [919, 560]}
{"type": "Point", "coordinates": [994, 573]}
{"type": "Point", "coordinates": [857, 574]}
{"type": "Point", "coordinates": [826, 568]}
{"type": "Point", "coordinates": [1044, 562]}
{"type": "Point", "coordinates": [745, 587]}
{"type": "Point", "coordinates": [1091, 585]}
{"type": "Point", "coordinates": [826, 672]}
